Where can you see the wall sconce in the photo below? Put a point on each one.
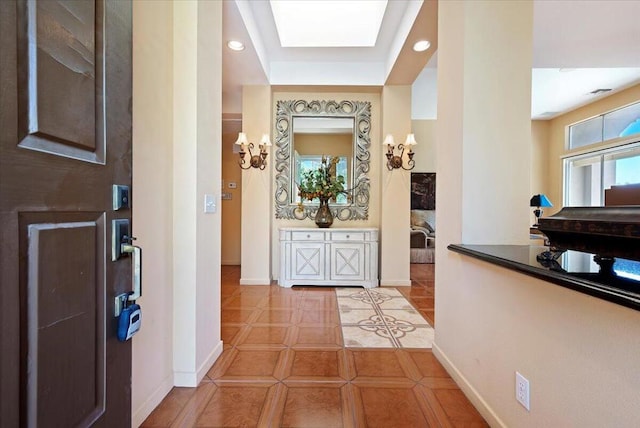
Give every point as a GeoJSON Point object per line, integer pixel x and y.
{"type": "Point", "coordinates": [395, 161]}
{"type": "Point", "coordinates": [255, 161]}
{"type": "Point", "coordinates": [539, 201]}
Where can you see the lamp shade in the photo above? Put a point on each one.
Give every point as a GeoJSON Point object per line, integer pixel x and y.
{"type": "Point", "coordinates": [242, 138]}
{"type": "Point", "coordinates": [411, 140]}
{"type": "Point", "coordinates": [540, 200]}
{"type": "Point", "coordinates": [265, 141]}
{"type": "Point", "coordinates": [388, 140]}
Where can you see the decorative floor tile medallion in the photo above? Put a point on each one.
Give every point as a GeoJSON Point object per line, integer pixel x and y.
{"type": "Point", "coordinates": [381, 318]}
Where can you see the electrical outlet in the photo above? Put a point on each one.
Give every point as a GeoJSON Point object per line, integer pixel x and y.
{"type": "Point", "coordinates": [522, 390]}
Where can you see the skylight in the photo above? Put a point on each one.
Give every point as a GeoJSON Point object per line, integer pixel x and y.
{"type": "Point", "coordinates": [321, 23]}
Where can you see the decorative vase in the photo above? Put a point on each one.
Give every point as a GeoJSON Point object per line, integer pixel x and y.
{"type": "Point", "coordinates": [324, 218]}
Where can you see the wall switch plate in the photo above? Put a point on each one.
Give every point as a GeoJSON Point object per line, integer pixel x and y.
{"type": "Point", "coordinates": [522, 390]}
{"type": "Point", "coordinates": [209, 203]}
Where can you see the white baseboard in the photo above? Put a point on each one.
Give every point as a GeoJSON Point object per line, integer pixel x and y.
{"type": "Point", "coordinates": [209, 361]}
{"type": "Point", "coordinates": [189, 379]}
{"type": "Point", "coordinates": [471, 393]}
{"type": "Point", "coordinates": [395, 283]}
{"type": "Point", "coordinates": [265, 281]}
{"type": "Point", "coordinates": [139, 415]}
{"type": "Point", "coordinates": [192, 379]}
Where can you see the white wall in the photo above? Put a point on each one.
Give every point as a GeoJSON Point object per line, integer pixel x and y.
{"type": "Point", "coordinates": [176, 160]}
{"type": "Point", "coordinates": [152, 371]}
{"type": "Point", "coordinates": [208, 175]}
{"type": "Point", "coordinates": [579, 353]}
{"type": "Point", "coordinates": [395, 189]}
{"type": "Point", "coordinates": [424, 93]}
{"type": "Point", "coordinates": [482, 187]}
{"type": "Point", "coordinates": [257, 197]}
{"type": "Point", "coordinates": [185, 209]}
{"type": "Point", "coordinates": [496, 107]}
{"type": "Point", "coordinates": [425, 157]}
{"type": "Point", "coordinates": [197, 171]}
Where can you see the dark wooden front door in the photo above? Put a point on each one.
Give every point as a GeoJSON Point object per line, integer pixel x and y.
{"type": "Point", "coordinates": [65, 130]}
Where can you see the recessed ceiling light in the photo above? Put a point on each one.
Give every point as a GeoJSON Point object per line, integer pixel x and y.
{"type": "Point", "coordinates": [421, 45]}
{"type": "Point", "coordinates": [235, 45]}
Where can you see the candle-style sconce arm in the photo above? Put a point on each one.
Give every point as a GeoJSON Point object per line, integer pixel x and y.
{"type": "Point", "coordinates": [396, 161]}
{"type": "Point", "coordinates": [255, 161]}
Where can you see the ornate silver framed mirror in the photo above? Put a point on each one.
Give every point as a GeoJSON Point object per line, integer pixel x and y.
{"type": "Point", "coordinates": [308, 130]}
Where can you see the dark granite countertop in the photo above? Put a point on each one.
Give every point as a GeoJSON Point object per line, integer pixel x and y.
{"type": "Point", "coordinates": [573, 269]}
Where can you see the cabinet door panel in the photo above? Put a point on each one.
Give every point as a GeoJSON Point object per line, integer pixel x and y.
{"type": "Point", "coordinates": [308, 261]}
{"type": "Point", "coordinates": [347, 261]}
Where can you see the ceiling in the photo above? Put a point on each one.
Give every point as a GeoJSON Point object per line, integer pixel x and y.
{"type": "Point", "coordinates": [578, 46]}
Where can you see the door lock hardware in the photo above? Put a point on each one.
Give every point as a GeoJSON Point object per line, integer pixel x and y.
{"type": "Point", "coordinates": [120, 197]}
{"type": "Point", "coordinates": [123, 300]}
{"type": "Point", "coordinates": [119, 229]}
{"type": "Point", "coordinates": [120, 302]}
{"type": "Point", "coordinates": [126, 247]}
{"type": "Point", "coordinates": [122, 246]}
{"type": "Point", "coordinates": [136, 269]}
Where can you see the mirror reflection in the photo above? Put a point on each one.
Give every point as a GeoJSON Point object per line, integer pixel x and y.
{"type": "Point", "coordinates": [315, 137]}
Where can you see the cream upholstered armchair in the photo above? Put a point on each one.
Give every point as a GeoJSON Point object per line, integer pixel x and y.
{"type": "Point", "coordinates": [423, 236]}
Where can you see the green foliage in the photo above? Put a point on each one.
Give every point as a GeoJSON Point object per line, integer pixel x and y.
{"type": "Point", "coordinates": [322, 182]}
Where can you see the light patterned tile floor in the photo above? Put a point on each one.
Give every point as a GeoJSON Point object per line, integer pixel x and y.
{"type": "Point", "coordinates": [381, 318]}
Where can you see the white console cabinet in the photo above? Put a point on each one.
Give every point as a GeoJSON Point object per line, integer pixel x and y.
{"type": "Point", "coordinates": [340, 256]}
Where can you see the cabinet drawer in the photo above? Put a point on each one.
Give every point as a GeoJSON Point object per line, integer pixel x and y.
{"type": "Point", "coordinates": [307, 236]}
{"type": "Point", "coordinates": [347, 236]}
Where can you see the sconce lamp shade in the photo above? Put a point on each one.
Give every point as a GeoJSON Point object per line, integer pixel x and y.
{"type": "Point", "coordinates": [265, 141]}
{"type": "Point", "coordinates": [242, 138]}
{"type": "Point", "coordinates": [388, 140]}
{"type": "Point", "coordinates": [540, 200]}
{"type": "Point", "coordinates": [411, 140]}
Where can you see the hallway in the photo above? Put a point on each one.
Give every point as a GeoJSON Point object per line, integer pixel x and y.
{"type": "Point", "coordinates": [284, 365]}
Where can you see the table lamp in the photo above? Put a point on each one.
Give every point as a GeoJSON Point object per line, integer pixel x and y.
{"type": "Point", "coordinates": [539, 201]}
